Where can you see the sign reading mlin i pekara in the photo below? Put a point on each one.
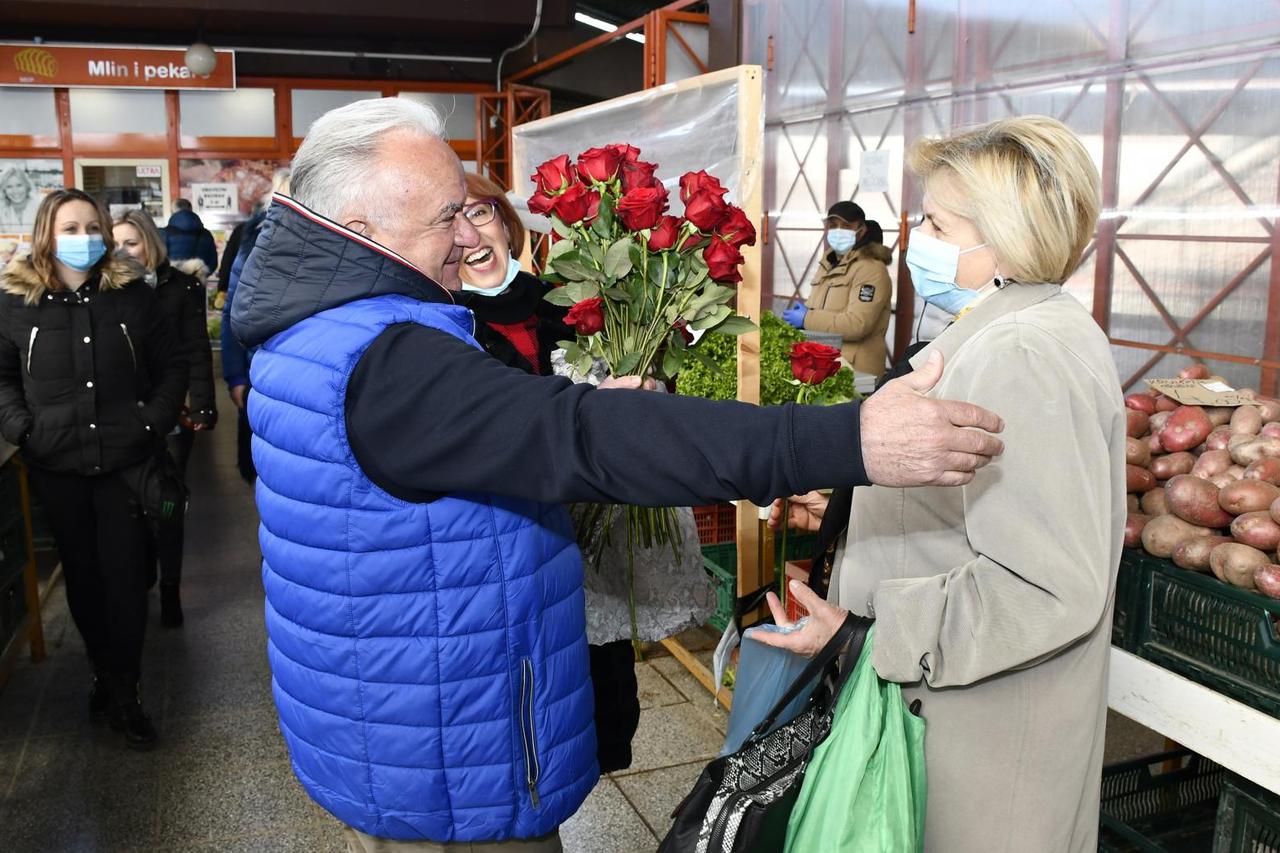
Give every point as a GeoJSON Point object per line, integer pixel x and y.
{"type": "Point", "coordinates": [114, 67]}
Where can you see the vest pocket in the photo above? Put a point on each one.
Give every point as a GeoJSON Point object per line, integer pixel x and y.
{"type": "Point", "coordinates": [528, 733]}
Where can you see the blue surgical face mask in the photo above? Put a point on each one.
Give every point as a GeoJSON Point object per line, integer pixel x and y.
{"type": "Point", "coordinates": [841, 240]}
{"type": "Point", "coordinates": [513, 270]}
{"type": "Point", "coordinates": [933, 264]}
{"type": "Point", "coordinates": [80, 251]}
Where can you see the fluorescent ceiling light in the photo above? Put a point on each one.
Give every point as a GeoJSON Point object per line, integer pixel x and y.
{"type": "Point", "coordinates": [604, 25]}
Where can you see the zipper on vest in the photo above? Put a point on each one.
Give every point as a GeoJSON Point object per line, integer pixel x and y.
{"type": "Point", "coordinates": [528, 734]}
{"type": "Point", "coordinates": [31, 346]}
{"type": "Point", "coordinates": [128, 340]}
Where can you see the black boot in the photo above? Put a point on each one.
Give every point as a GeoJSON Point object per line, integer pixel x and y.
{"type": "Point", "coordinates": [127, 716]}
{"type": "Point", "coordinates": [100, 696]}
{"type": "Point", "coordinates": [170, 606]}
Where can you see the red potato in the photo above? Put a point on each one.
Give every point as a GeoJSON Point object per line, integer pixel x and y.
{"type": "Point", "coordinates": [1246, 421]}
{"type": "Point", "coordinates": [1247, 496]}
{"type": "Point", "coordinates": [1170, 466]}
{"type": "Point", "coordinates": [1154, 445]}
{"type": "Point", "coordinates": [1193, 553]}
{"type": "Point", "coordinates": [1248, 393]}
{"type": "Point", "coordinates": [1139, 423]}
{"type": "Point", "coordinates": [1267, 580]}
{"type": "Point", "coordinates": [1194, 371]}
{"type": "Point", "coordinates": [1266, 470]}
{"type": "Point", "coordinates": [1154, 503]}
{"type": "Point", "coordinates": [1137, 452]}
{"type": "Point", "coordinates": [1138, 479]}
{"type": "Point", "coordinates": [1163, 533]}
{"type": "Point", "coordinates": [1133, 529]}
{"type": "Point", "coordinates": [1219, 415]}
{"type": "Point", "coordinates": [1223, 480]}
{"type": "Point", "coordinates": [1133, 504]}
{"type": "Point", "coordinates": [1257, 529]}
{"type": "Point", "coordinates": [1270, 409]}
{"type": "Point", "coordinates": [1248, 452]}
{"type": "Point", "coordinates": [1196, 501]}
{"type": "Point", "coordinates": [1141, 403]}
{"type": "Point", "coordinates": [1166, 404]}
{"type": "Point", "coordinates": [1235, 563]}
{"type": "Point", "coordinates": [1186, 427]}
{"type": "Point", "coordinates": [1275, 510]}
{"type": "Point", "coordinates": [1219, 439]}
{"type": "Point", "coordinates": [1236, 471]}
{"type": "Point", "coordinates": [1158, 421]}
{"type": "Point", "coordinates": [1211, 462]}
{"type": "Point", "coordinates": [1270, 430]}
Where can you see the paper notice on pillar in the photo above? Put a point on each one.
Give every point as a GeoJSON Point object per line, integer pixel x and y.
{"type": "Point", "coordinates": [215, 198]}
{"type": "Point", "coordinates": [873, 172]}
{"type": "Point", "coordinates": [1199, 392]}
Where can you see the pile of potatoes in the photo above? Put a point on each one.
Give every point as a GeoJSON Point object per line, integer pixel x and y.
{"type": "Point", "coordinates": [1204, 485]}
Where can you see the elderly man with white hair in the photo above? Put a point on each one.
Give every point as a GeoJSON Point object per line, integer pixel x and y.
{"type": "Point", "coordinates": [424, 590]}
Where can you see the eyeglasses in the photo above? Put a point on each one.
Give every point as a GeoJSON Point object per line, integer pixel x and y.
{"type": "Point", "coordinates": [481, 213]}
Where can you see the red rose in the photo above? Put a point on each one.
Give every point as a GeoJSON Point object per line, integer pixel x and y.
{"type": "Point", "coordinates": [555, 175]}
{"type": "Point", "coordinates": [587, 316]}
{"type": "Point", "coordinates": [722, 261]}
{"type": "Point", "coordinates": [627, 153]}
{"type": "Point", "coordinates": [813, 363]}
{"type": "Point", "coordinates": [599, 164]}
{"type": "Point", "coordinates": [682, 326]}
{"type": "Point", "coordinates": [736, 229]}
{"type": "Point", "coordinates": [690, 240]}
{"type": "Point", "coordinates": [692, 183]}
{"type": "Point", "coordinates": [539, 203]}
{"type": "Point", "coordinates": [638, 174]}
{"type": "Point", "coordinates": [576, 204]}
{"type": "Point", "coordinates": [706, 210]}
{"type": "Point", "coordinates": [664, 234]}
{"type": "Point", "coordinates": [641, 207]}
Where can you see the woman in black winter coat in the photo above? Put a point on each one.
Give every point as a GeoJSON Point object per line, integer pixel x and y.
{"type": "Point", "coordinates": [91, 380]}
{"type": "Point", "coordinates": [180, 289]}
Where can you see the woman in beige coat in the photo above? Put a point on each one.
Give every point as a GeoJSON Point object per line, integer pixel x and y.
{"type": "Point", "coordinates": [993, 601]}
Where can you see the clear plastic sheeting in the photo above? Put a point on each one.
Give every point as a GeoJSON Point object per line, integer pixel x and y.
{"type": "Point", "coordinates": [682, 127]}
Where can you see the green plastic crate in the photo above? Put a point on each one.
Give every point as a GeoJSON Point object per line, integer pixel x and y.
{"type": "Point", "coordinates": [1148, 809]}
{"type": "Point", "coordinates": [1127, 615]}
{"type": "Point", "coordinates": [721, 562]}
{"type": "Point", "coordinates": [1248, 819]}
{"type": "Point", "coordinates": [1210, 632]}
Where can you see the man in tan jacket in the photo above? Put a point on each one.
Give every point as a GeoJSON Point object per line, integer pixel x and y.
{"type": "Point", "coordinates": [850, 294]}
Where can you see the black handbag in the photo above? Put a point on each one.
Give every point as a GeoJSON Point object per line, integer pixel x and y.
{"type": "Point", "coordinates": [741, 803]}
{"type": "Point", "coordinates": [159, 488]}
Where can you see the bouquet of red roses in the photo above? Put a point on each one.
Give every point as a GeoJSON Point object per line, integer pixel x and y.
{"type": "Point", "coordinates": [638, 282]}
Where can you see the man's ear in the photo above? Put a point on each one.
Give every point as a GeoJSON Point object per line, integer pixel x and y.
{"type": "Point", "coordinates": [359, 226]}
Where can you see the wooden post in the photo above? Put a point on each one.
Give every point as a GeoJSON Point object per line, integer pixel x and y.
{"type": "Point", "coordinates": [31, 582]}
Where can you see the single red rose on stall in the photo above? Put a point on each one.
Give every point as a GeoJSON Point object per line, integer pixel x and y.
{"type": "Point", "coordinates": [736, 229]}
{"type": "Point", "coordinates": [814, 363]}
{"type": "Point", "coordinates": [576, 204]}
{"type": "Point", "coordinates": [640, 208]}
{"type": "Point", "coordinates": [692, 183]}
{"type": "Point", "coordinates": [586, 317]}
{"type": "Point", "coordinates": [638, 174]}
{"type": "Point", "coordinates": [626, 153]}
{"type": "Point", "coordinates": [664, 234]}
{"type": "Point", "coordinates": [599, 164]}
{"type": "Point", "coordinates": [722, 261]}
{"type": "Point", "coordinates": [706, 210]}
{"type": "Point", "coordinates": [555, 175]}
{"type": "Point", "coordinates": [539, 203]}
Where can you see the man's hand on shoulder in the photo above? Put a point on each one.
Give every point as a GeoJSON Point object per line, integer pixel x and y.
{"type": "Point", "coordinates": [909, 439]}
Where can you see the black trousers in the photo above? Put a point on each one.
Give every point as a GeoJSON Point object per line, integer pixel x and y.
{"type": "Point", "coordinates": [613, 676]}
{"type": "Point", "coordinates": [102, 542]}
{"type": "Point", "coordinates": [165, 547]}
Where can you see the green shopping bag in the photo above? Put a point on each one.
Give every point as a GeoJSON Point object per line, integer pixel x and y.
{"type": "Point", "coordinates": [864, 791]}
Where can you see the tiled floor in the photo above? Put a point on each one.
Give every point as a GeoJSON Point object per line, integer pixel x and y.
{"type": "Point", "coordinates": [220, 781]}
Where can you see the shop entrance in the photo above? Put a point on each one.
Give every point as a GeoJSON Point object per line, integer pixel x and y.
{"type": "Point", "coordinates": [125, 184]}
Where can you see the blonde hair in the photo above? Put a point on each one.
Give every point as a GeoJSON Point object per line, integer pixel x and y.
{"type": "Point", "coordinates": [1027, 184]}
{"type": "Point", "coordinates": [479, 187]}
{"type": "Point", "coordinates": [44, 240]}
{"type": "Point", "coordinates": [152, 243]}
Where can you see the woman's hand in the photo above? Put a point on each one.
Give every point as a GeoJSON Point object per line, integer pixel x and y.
{"type": "Point", "coordinates": [804, 512]}
{"type": "Point", "coordinates": [629, 383]}
{"type": "Point", "coordinates": [824, 620]}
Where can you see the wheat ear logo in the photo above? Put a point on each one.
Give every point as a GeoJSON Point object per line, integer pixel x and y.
{"type": "Point", "coordinates": [35, 61]}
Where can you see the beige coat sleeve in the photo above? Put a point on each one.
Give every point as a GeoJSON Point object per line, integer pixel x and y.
{"type": "Point", "coordinates": [1040, 519]}
{"type": "Point", "coordinates": [858, 317]}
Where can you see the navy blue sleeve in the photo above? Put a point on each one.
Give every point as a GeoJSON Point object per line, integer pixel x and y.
{"type": "Point", "coordinates": [207, 250]}
{"type": "Point", "coordinates": [428, 415]}
{"type": "Point", "coordinates": [235, 361]}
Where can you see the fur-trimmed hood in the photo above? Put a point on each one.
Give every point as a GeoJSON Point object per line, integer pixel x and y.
{"type": "Point", "coordinates": [20, 279]}
{"type": "Point", "coordinates": [192, 267]}
{"type": "Point", "coordinates": [877, 252]}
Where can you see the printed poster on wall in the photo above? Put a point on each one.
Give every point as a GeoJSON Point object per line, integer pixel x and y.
{"type": "Point", "coordinates": [221, 199]}
{"type": "Point", "coordinates": [23, 183]}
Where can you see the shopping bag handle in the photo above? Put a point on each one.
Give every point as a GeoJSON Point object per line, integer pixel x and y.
{"type": "Point", "coordinates": [854, 631]}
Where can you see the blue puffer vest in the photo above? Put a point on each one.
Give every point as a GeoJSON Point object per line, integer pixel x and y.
{"type": "Point", "coordinates": [429, 660]}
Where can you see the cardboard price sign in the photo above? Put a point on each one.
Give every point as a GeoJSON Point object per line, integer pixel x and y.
{"type": "Point", "coordinates": [1200, 392]}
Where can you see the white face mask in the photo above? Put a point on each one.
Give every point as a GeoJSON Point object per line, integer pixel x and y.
{"type": "Point", "coordinates": [934, 264]}
{"type": "Point", "coordinates": [513, 269]}
{"type": "Point", "coordinates": [841, 240]}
